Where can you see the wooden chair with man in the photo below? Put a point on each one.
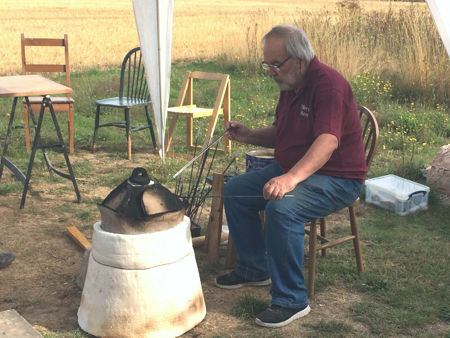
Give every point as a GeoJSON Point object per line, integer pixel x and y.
{"type": "Point", "coordinates": [318, 236]}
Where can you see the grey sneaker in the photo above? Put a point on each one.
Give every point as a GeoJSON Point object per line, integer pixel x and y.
{"type": "Point", "coordinates": [277, 316]}
{"type": "Point", "coordinates": [233, 281]}
{"type": "Point", "coordinates": [6, 258]}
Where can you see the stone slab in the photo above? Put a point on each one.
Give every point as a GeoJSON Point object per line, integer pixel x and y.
{"type": "Point", "coordinates": [14, 325]}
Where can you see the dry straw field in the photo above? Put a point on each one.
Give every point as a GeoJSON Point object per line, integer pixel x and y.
{"type": "Point", "coordinates": [354, 36]}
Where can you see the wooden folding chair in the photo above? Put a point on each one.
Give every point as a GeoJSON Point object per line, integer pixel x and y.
{"type": "Point", "coordinates": [60, 103]}
{"type": "Point", "coordinates": [191, 111]}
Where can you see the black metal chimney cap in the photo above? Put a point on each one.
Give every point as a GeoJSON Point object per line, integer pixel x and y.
{"type": "Point", "coordinates": [139, 176]}
{"type": "Point", "coordinates": [132, 198]}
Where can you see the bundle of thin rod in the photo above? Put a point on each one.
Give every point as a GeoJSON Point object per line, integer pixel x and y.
{"type": "Point", "coordinates": [195, 187]}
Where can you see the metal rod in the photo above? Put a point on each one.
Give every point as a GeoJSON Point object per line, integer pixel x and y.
{"type": "Point", "coordinates": [204, 179]}
{"type": "Point", "coordinates": [197, 181]}
{"type": "Point", "coordinates": [180, 191]}
{"type": "Point", "coordinates": [241, 196]}
{"type": "Point", "coordinates": [200, 154]}
{"type": "Point", "coordinates": [201, 202]}
{"type": "Point", "coordinates": [192, 168]}
{"type": "Point", "coordinates": [177, 186]}
{"type": "Point", "coordinates": [191, 191]}
{"type": "Point", "coordinates": [231, 162]}
{"type": "Point", "coordinates": [245, 196]}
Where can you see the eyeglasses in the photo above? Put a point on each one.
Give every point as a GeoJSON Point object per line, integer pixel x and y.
{"type": "Point", "coordinates": [275, 68]}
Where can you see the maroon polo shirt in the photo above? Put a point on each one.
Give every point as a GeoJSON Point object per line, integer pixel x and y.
{"type": "Point", "coordinates": [324, 106]}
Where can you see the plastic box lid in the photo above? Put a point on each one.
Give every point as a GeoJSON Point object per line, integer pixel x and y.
{"type": "Point", "coordinates": [400, 187]}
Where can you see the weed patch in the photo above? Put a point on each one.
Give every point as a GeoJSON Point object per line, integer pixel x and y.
{"type": "Point", "coordinates": [248, 307]}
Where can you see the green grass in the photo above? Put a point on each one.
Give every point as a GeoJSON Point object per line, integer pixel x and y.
{"type": "Point", "coordinates": [73, 334]}
{"type": "Point", "coordinates": [248, 307]}
{"type": "Point", "coordinates": [330, 328]}
{"type": "Point", "coordinates": [9, 187]}
{"type": "Point", "coordinates": [405, 286]}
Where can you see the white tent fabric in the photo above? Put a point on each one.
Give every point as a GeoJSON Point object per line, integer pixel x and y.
{"type": "Point", "coordinates": [154, 19]}
{"type": "Point", "coordinates": [440, 11]}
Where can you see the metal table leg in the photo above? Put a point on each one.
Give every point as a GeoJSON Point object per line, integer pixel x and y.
{"type": "Point", "coordinates": [71, 175]}
{"type": "Point", "coordinates": [8, 136]}
{"type": "Point", "coordinates": [33, 154]}
{"type": "Point", "coordinates": [46, 102]}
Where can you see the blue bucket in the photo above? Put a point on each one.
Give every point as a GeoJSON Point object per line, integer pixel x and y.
{"type": "Point", "coordinates": [256, 159]}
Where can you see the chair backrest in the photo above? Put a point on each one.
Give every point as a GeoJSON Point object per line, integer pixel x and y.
{"type": "Point", "coordinates": [187, 88]}
{"type": "Point", "coordinates": [56, 67]}
{"type": "Point", "coordinates": [133, 84]}
{"type": "Point", "coordinates": [370, 133]}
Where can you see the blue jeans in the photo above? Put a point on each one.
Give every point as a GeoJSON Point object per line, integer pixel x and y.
{"type": "Point", "coordinates": [278, 252]}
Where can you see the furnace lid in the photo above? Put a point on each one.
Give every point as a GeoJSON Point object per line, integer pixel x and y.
{"type": "Point", "coordinates": [139, 200]}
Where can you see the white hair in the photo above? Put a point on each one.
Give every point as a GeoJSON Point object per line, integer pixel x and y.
{"type": "Point", "coordinates": [296, 42]}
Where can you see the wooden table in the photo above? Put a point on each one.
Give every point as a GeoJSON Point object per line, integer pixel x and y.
{"type": "Point", "coordinates": [25, 86]}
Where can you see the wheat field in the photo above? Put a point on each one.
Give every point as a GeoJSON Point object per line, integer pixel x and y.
{"type": "Point", "coordinates": [101, 32]}
{"type": "Point", "coordinates": [353, 36]}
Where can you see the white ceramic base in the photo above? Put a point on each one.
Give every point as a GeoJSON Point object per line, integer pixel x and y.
{"type": "Point", "coordinates": [165, 300]}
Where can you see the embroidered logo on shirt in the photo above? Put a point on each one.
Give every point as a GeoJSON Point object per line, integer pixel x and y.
{"type": "Point", "coordinates": [304, 110]}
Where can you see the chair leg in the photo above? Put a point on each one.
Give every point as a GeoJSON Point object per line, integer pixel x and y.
{"type": "Point", "coordinates": [172, 124]}
{"type": "Point", "coordinates": [323, 233]}
{"type": "Point", "coordinates": [150, 124]}
{"type": "Point", "coordinates": [356, 241]}
{"type": "Point", "coordinates": [70, 128]}
{"type": "Point", "coordinates": [226, 116]}
{"type": "Point", "coordinates": [190, 132]}
{"type": "Point", "coordinates": [26, 122]}
{"type": "Point", "coordinates": [128, 131]}
{"type": "Point", "coordinates": [312, 258]}
{"type": "Point", "coordinates": [96, 123]}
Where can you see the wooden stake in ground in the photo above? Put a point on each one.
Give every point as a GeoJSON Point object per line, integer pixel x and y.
{"type": "Point", "coordinates": [214, 228]}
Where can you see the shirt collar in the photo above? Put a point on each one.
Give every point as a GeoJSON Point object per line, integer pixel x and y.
{"type": "Point", "coordinates": [309, 73]}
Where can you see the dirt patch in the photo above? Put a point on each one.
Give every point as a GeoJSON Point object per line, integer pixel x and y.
{"type": "Point", "coordinates": [41, 283]}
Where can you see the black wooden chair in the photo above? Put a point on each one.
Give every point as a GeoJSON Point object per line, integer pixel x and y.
{"type": "Point", "coordinates": [133, 92]}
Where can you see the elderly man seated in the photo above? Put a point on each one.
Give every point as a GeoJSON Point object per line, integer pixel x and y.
{"type": "Point", "coordinates": [319, 161]}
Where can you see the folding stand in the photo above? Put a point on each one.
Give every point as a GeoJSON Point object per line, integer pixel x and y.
{"type": "Point", "coordinates": [48, 85]}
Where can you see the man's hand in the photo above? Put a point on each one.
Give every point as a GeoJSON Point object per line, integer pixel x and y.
{"type": "Point", "coordinates": [264, 137]}
{"type": "Point", "coordinates": [278, 186]}
{"type": "Point", "coordinates": [237, 131]}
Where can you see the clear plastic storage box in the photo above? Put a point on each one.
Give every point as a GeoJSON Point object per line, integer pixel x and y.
{"type": "Point", "coordinates": [397, 194]}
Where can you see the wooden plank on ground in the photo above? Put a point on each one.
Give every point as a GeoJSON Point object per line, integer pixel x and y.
{"type": "Point", "coordinates": [200, 241]}
{"type": "Point", "coordinates": [78, 237]}
{"type": "Point", "coordinates": [12, 324]}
